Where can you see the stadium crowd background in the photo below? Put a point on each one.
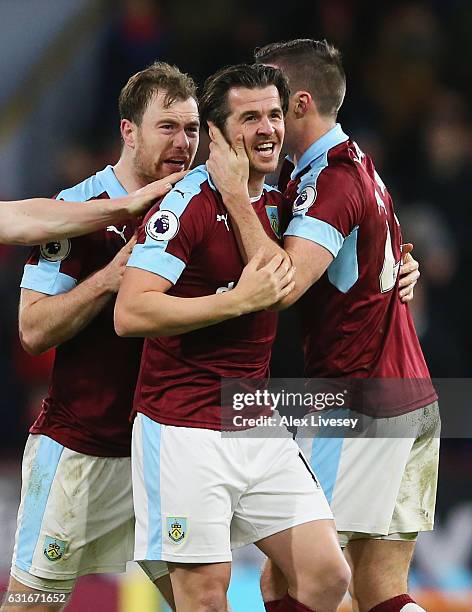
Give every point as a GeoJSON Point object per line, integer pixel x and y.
{"type": "Point", "coordinates": [409, 92]}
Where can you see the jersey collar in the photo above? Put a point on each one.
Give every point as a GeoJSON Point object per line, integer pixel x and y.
{"type": "Point", "coordinates": [110, 183]}
{"type": "Point", "coordinates": [329, 140]}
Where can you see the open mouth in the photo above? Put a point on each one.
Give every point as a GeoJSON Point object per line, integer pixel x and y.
{"type": "Point", "coordinates": [175, 164]}
{"type": "Point", "coordinates": [265, 149]}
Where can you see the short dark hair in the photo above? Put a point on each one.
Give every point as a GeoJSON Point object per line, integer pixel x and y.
{"type": "Point", "coordinates": [313, 65]}
{"type": "Point", "coordinates": [159, 76]}
{"type": "Point", "coordinates": [214, 97]}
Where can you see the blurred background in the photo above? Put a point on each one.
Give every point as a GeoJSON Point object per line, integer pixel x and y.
{"type": "Point", "coordinates": [408, 64]}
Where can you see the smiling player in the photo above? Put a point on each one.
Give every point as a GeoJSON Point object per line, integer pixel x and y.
{"type": "Point", "coordinates": [198, 493]}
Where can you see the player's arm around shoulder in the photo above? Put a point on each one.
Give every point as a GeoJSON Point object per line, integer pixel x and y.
{"type": "Point", "coordinates": [40, 219]}
{"type": "Point", "coordinates": [310, 261]}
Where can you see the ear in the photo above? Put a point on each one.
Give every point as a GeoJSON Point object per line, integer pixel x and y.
{"type": "Point", "coordinates": [128, 132]}
{"type": "Point", "coordinates": [301, 103]}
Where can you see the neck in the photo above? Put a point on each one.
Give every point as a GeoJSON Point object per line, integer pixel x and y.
{"type": "Point", "coordinates": [255, 184]}
{"type": "Point", "coordinates": [310, 133]}
{"type": "Point", "coordinates": [126, 174]}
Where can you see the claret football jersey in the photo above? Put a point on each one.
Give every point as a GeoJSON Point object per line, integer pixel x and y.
{"type": "Point", "coordinates": [90, 396]}
{"type": "Point", "coordinates": [354, 324]}
{"type": "Point", "coordinates": [189, 240]}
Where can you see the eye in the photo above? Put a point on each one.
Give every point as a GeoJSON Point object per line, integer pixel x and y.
{"type": "Point", "coordinates": [249, 118]}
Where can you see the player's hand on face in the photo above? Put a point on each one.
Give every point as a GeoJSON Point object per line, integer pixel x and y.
{"type": "Point", "coordinates": [409, 274]}
{"type": "Point", "coordinates": [113, 272]}
{"type": "Point", "coordinates": [142, 199]}
{"type": "Point", "coordinates": [261, 287]}
{"type": "Point", "coordinates": [228, 165]}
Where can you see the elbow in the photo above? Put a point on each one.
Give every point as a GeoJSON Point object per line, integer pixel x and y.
{"type": "Point", "coordinates": [126, 324]}
{"type": "Point", "coordinates": [122, 324]}
{"type": "Point", "coordinates": [32, 342]}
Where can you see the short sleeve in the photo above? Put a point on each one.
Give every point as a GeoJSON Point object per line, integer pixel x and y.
{"type": "Point", "coordinates": [328, 207]}
{"type": "Point", "coordinates": [171, 230]}
{"type": "Point", "coordinates": [54, 267]}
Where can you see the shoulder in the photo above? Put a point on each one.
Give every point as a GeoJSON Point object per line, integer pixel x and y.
{"type": "Point", "coordinates": [88, 189]}
{"type": "Point", "coordinates": [335, 173]}
{"type": "Point", "coordinates": [193, 190]}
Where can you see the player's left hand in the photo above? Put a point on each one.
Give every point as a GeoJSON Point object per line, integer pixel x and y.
{"type": "Point", "coordinates": [409, 274]}
{"type": "Point", "coordinates": [142, 199]}
{"type": "Point", "coordinates": [228, 165]}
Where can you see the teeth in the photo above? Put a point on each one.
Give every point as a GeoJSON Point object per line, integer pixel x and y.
{"type": "Point", "coordinates": [265, 147]}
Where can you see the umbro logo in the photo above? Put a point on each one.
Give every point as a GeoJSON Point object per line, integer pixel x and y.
{"type": "Point", "coordinates": [223, 218]}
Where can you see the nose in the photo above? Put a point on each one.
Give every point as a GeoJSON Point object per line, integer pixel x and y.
{"type": "Point", "coordinates": [181, 140]}
{"type": "Point", "coordinates": [265, 127]}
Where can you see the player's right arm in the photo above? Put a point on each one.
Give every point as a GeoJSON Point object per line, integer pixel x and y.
{"type": "Point", "coordinates": [166, 241]}
{"type": "Point", "coordinates": [39, 220]}
{"type": "Point", "coordinates": [144, 309]}
{"type": "Point", "coordinates": [45, 320]}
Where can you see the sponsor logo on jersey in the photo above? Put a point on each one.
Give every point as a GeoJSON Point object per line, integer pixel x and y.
{"type": "Point", "coordinates": [56, 250]}
{"type": "Point", "coordinates": [273, 215]}
{"type": "Point", "coordinates": [54, 549]}
{"type": "Point", "coordinates": [176, 528]}
{"type": "Point", "coordinates": [163, 225]}
{"type": "Point", "coordinates": [305, 199]}
{"type": "Point", "coordinates": [112, 228]}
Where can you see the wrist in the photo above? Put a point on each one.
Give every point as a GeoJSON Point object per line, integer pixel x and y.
{"type": "Point", "coordinates": [123, 207]}
{"type": "Point", "coordinates": [99, 283]}
{"type": "Point", "coordinates": [236, 198]}
{"type": "Point", "coordinates": [235, 303]}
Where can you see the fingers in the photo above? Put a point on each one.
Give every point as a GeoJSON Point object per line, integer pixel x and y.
{"type": "Point", "coordinates": [274, 263]}
{"type": "Point", "coordinates": [409, 277]}
{"type": "Point", "coordinates": [216, 135]}
{"type": "Point", "coordinates": [131, 242]}
{"type": "Point", "coordinates": [408, 295]}
{"type": "Point", "coordinates": [286, 290]}
{"type": "Point", "coordinates": [175, 177]}
{"type": "Point", "coordinates": [287, 278]}
{"type": "Point", "coordinates": [406, 248]}
{"type": "Point", "coordinates": [239, 145]}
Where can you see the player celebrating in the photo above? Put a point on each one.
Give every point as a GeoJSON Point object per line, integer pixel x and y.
{"type": "Point", "coordinates": [196, 491]}
{"type": "Point", "coordinates": [41, 220]}
{"type": "Point", "coordinates": [76, 513]}
{"type": "Point", "coordinates": [345, 242]}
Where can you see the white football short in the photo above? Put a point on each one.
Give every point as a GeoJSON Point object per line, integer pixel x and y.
{"type": "Point", "coordinates": [381, 486]}
{"type": "Point", "coordinates": [198, 493]}
{"type": "Point", "coordinates": [76, 517]}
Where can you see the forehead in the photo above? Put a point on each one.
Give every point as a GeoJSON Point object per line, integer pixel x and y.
{"type": "Point", "coordinates": [184, 111]}
{"type": "Point", "coordinates": [242, 99]}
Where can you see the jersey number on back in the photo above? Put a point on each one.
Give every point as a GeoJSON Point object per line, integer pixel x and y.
{"type": "Point", "coordinates": [390, 267]}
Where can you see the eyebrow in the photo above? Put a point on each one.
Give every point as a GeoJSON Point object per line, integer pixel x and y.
{"type": "Point", "coordinates": [276, 109]}
{"type": "Point", "coordinates": [192, 123]}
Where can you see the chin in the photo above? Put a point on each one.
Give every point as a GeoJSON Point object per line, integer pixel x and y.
{"type": "Point", "coordinates": [266, 168]}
